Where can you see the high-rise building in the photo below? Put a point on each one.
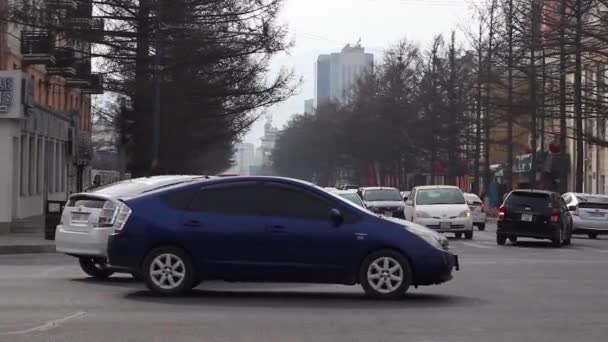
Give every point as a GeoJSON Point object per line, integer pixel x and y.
{"type": "Point", "coordinates": [336, 73]}
{"type": "Point", "coordinates": [309, 106]}
{"type": "Point", "coordinates": [46, 90]}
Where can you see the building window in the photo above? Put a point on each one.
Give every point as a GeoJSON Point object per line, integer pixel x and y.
{"type": "Point", "coordinates": [40, 166]}
{"type": "Point", "coordinates": [23, 168]}
{"type": "Point", "coordinates": [32, 165]}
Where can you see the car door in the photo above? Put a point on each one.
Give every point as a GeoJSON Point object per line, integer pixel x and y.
{"type": "Point", "coordinates": [224, 230]}
{"type": "Point", "coordinates": [409, 206]}
{"type": "Point", "coordinates": [306, 245]}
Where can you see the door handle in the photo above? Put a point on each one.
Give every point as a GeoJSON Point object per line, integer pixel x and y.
{"type": "Point", "coordinates": [192, 224]}
{"type": "Point", "coordinates": [276, 229]}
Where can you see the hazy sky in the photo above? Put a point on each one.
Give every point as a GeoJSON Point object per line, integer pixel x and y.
{"type": "Point", "coordinates": [324, 26]}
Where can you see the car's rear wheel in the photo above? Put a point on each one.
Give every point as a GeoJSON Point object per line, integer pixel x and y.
{"type": "Point", "coordinates": [513, 239]}
{"type": "Point", "coordinates": [501, 240]}
{"type": "Point", "coordinates": [593, 236]}
{"type": "Point", "coordinates": [385, 274]}
{"type": "Point", "coordinates": [94, 267]}
{"type": "Point", "coordinates": [558, 238]}
{"type": "Point", "coordinates": [468, 235]}
{"type": "Point", "coordinates": [168, 271]}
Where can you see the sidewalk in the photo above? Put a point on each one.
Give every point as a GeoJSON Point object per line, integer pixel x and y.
{"type": "Point", "coordinates": [24, 243]}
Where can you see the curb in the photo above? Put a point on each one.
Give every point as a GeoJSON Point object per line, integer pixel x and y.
{"type": "Point", "coordinates": [27, 249]}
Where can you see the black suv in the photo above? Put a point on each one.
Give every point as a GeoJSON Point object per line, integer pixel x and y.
{"type": "Point", "coordinates": [534, 214]}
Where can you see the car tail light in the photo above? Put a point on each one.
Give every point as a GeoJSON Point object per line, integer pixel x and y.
{"type": "Point", "coordinates": [554, 216]}
{"type": "Point", "coordinates": [107, 215]}
{"type": "Point", "coordinates": [502, 211]}
{"type": "Point", "coordinates": [122, 217]}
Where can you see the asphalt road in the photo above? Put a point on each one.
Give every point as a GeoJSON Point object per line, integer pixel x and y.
{"type": "Point", "coordinates": [528, 292]}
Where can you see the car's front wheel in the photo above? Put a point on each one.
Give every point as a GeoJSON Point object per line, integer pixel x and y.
{"type": "Point", "coordinates": [168, 271]}
{"type": "Point", "coordinates": [468, 235]}
{"type": "Point", "coordinates": [501, 240]}
{"type": "Point", "coordinates": [96, 268]}
{"type": "Point", "coordinates": [385, 274]}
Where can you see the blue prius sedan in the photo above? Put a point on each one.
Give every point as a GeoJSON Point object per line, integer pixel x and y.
{"type": "Point", "coordinates": [268, 229]}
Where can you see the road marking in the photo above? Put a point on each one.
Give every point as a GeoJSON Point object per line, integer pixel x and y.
{"type": "Point", "coordinates": [476, 245]}
{"type": "Point", "coordinates": [46, 326]}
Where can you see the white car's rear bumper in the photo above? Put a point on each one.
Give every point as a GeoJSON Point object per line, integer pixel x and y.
{"type": "Point", "coordinates": [93, 242]}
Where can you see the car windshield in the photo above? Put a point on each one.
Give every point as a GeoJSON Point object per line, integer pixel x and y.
{"type": "Point", "coordinates": [592, 199]}
{"type": "Point", "coordinates": [439, 196]}
{"type": "Point", "coordinates": [354, 198]}
{"type": "Point", "coordinates": [382, 195]}
{"type": "Point", "coordinates": [135, 187]}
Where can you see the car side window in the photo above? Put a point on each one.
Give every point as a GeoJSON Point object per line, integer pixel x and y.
{"type": "Point", "coordinates": [232, 199]}
{"type": "Point", "coordinates": [285, 201]}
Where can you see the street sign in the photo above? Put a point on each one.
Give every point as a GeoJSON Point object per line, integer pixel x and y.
{"type": "Point", "coordinates": [523, 163]}
{"type": "Point", "coordinates": [6, 94]}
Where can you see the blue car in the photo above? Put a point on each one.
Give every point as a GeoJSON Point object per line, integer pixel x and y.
{"type": "Point", "coordinates": [268, 229]}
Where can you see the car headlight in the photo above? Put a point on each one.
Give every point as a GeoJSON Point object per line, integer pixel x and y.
{"type": "Point", "coordinates": [422, 214]}
{"type": "Point", "coordinates": [466, 213]}
{"type": "Point", "coordinates": [432, 238]}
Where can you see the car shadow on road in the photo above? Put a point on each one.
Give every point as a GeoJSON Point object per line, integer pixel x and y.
{"type": "Point", "coordinates": [128, 282]}
{"type": "Point", "coordinates": [278, 299]}
{"type": "Point", "coordinates": [540, 244]}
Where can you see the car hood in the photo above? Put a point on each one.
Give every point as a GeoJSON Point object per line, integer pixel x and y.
{"type": "Point", "coordinates": [418, 229]}
{"type": "Point", "coordinates": [384, 204]}
{"type": "Point", "coordinates": [443, 210]}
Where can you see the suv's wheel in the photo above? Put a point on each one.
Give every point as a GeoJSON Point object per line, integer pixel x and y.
{"type": "Point", "coordinates": [468, 235]}
{"type": "Point", "coordinates": [558, 238]}
{"type": "Point", "coordinates": [593, 236]}
{"type": "Point", "coordinates": [168, 271]}
{"type": "Point", "coordinates": [385, 274]}
{"type": "Point", "coordinates": [96, 268]}
{"type": "Point", "coordinates": [501, 239]}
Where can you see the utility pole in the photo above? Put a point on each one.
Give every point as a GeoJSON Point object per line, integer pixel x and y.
{"type": "Point", "coordinates": [511, 112]}
{"type": "Point", "coordinates": [562, 93]}
{"type": "Point", "coordinates": [157, 89]}
{"type": "Point", "coordinates": [578, 106]}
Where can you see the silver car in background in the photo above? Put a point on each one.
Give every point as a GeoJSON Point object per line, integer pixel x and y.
{"type": "Point", "coordinates": [478, 210]}
{"type": "Point", "coordinates": [589, 213]}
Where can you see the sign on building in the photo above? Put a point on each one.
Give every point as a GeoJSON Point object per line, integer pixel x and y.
{"type": "Point", "coordinates": [6, 94]}
{"type": "Point", "coordinates": [523, 163]}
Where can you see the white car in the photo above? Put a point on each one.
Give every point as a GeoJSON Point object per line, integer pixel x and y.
{"type": "Point", "coordinates": [478, 210]}
{"type": "Point", "coordinates": [441, 208]}
{"type": "Point", "coordinates": [88, 219]}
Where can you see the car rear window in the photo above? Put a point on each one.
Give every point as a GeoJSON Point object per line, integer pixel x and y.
{"type": "Point", "coordinates": [529, 199]}
{"type": "Point", "coordinates": [592, 202]}
{"type": "Point", "coordinates": [86, 202]}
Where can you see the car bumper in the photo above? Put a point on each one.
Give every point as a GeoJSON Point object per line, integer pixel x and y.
{"type": "Point", "coordinates": [582, 226]}
{"type": "Point", "coordinates": [82, 243]}
{"type": "Point", "coordinates": [437, 269]}
{"type": "Point", "coordinates": [530, 230]}
{"type": "Point", "coordinates": [124, 253]}
{"type": "Point", "coordinates": [456, 225]}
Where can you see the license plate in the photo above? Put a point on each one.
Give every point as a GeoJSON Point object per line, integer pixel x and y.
{"type": "Point", "coordinates": [445, 225]}
{"type": "Point", "coordinates": [83, 217]}
{"type": "Point", "coordinates": [527, 217]}
{"type": "Point", "coordinates": [388, 214]}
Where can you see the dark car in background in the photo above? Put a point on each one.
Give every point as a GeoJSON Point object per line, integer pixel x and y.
{"type": "Point", "coordinates": [267, 229]}
{"type": "Point", "coordinates": [384, 201]}
{"type": "Point", "coordinates": [534, 214]}
{"type": "Point", "coordinates": [589, 213]}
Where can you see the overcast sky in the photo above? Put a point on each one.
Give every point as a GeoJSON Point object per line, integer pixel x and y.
{"type": "Point", "coordinates": [325, 26]}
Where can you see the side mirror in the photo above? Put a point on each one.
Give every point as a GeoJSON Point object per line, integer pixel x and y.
{"type": "Point", "coordinates": [336, 217]}
{"type": "Point", "coordinates": [572, 208]}
{"type": "Point", "coordinates": [405, 199]}
{"type": "Point", "coordinates": [409, 202]}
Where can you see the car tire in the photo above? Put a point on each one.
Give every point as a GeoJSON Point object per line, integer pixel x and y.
{"type": "Point", "coordinates": [557, 239]}
{"type": "Point", "coordinates": [501, 240]}
{"type": "Point", "coordinates": [593, 236]}
{"type": "Point", "coordinates": [468, 235]}
{"type": "Point", "coordinates": [168, 271]}
{"type": "Point", "coordinates": [385, 274]}
{"type": "Point", "coordinates": [513, 239]}
{"type": "Point", "coordinates": [96, 268]}
{"type": "Point", "coordinates": [481, 227]}
{"type": "Point", "coordinates": [458, 235]}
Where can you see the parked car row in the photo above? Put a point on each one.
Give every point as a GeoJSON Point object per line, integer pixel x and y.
{"type": "Point", "coordinates": [175, 232]}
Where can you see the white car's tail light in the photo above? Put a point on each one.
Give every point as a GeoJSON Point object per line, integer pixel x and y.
{"type": "Point", "coordinates": [123, 215]}
{"type": "Point", "coordinates": [107, 215]}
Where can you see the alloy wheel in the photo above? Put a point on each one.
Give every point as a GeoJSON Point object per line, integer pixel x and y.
{"type": "Point", "coordinates": [167, 271]}
{"type": "Point", "coordinates": [385, 275]}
